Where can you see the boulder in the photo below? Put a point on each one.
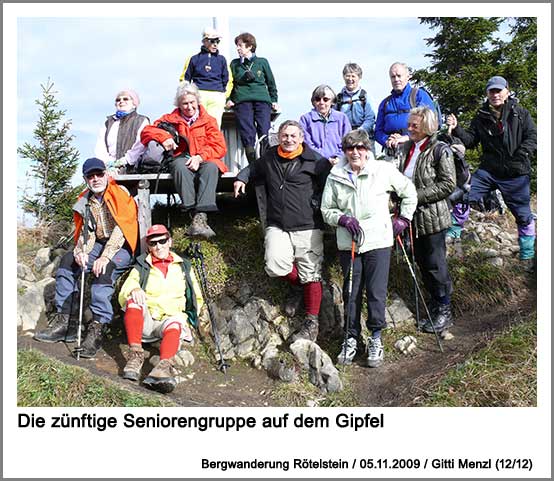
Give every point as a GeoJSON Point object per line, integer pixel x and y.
{"type": "Point", "coordinates": [398, 312]}
{"type": "Point", "coordinates": [31, 305]}
{"type": "Point", "coordinates": [25, 273]}
{"type": "Point", "coordinates": [42, 258]}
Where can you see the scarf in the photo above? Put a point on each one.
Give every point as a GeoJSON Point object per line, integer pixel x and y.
{"type": "Point", "coordinates": [290, 155]}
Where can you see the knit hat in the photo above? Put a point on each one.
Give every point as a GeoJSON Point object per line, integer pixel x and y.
{"type": "Point", "coordinates": [131, 93]}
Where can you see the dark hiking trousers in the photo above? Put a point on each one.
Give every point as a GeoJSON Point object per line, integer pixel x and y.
{"type": "Point", "coordinates": [252, 118]}
{"type": "Point", "coordinates": [196, 189]}
{"type": "Point", "coordinates": [371, 271]}
{"type": "Point", "coordinates": [430, 254]}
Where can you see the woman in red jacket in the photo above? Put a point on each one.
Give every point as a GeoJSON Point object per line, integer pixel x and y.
{"type": "Point", "coordinates": [197, 155]}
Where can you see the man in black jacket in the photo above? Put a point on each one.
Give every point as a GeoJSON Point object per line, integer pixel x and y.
{"type": "Point", "coordinates": [289, 180]}
{"type": "Point", "coordinates": [508, 137]}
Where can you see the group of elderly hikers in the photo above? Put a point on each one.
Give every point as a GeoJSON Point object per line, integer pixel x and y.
{"type": "Point", "coordinates": [323, 171]}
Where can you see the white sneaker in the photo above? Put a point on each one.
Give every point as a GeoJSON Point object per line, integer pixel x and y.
{"type": "Point", "coordinates": [375, 352]}
{"type": "Point", "coordinates": [348, 351]}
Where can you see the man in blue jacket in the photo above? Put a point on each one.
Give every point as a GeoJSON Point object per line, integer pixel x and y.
{"type": "Point", "coordinates": [210, 72]}
{"type": "Point", "coordinates": [391, 128]}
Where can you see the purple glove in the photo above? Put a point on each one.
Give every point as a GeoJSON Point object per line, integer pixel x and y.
{"type": "Point", "coordinates": [398, 225]}
{"type": "Point", "coordinates": [351, 224]}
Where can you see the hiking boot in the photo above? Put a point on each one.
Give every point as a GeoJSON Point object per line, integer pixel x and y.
{"type": "Point", "coordinates": [375, 352]}
{"type": "Point", "coordinates": [250, 153]}
{"type": "Point", "coordinates": [162, 377]}
{"type": "Point", "coordinates": [527, 265]}
{"type": "Point", "coordinates": [199, 226]}
{"type": "Point", "coordinates": [59, 329]}
{"type": "Point", "coordinates": [294, 300]}
{"type": "Point", "coordinates": [348, 351]}
{"type": "Point", "coordinates": [93, 339]}
{"type": "Point", "coordinates": [442, 319]}
{"type": "Point", "coordinates": [134, 364]}
{"type": "Point", "coordinates": [309, 329]}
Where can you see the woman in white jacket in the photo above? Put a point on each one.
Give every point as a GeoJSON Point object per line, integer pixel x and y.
{"type": "Point", "coordinates": [356, 200]}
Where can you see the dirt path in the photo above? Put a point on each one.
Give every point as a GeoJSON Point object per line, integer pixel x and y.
{"type": "Point", "coordinates": [399, 382]}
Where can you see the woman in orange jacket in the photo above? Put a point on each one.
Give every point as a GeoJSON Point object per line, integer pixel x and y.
{"type": "Point", "coordinates": [197, 155]}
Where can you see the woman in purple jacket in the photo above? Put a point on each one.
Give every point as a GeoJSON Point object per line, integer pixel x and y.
{"type": "Point", "coordinates": [324, 127]}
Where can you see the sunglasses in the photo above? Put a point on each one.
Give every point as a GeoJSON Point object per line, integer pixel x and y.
{"type": "Point", "coordinates": [325, 99]}
{"type": "Point", "coordinates": [122, 99]}
{"type": "Point", "coordinates": [95, 174]}
{"type": "Point", "coordinates": [350, 148]}
{"type": "Point", "coordinates": [156, 242]}
{"type": "Point", "coordinates": [214, 40]}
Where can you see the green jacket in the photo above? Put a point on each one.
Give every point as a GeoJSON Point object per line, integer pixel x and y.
{"type": "Point", "coordinates": [435, 180]}
{"type": "Point", "coordinates": [367, 200]}
{"type": "Point", "coordinates": [261, 89]}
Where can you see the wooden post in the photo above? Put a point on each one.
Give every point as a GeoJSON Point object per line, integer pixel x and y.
{"type": "Point", "coordinates": [144, 213]}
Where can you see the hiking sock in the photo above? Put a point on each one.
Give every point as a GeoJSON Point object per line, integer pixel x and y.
{"type": "Point", "coordinates": [313, 293]}
{"type": "Point", "coordinates": [376, 334]}
{"type": "Point", "coordinates": [292, 276]}
{"type": "Point", "coordinates": [134, 323]}
{"type": "Point", "coordinates": [526, 247]}
{"type": "Point", "coordinates": [170, 343]}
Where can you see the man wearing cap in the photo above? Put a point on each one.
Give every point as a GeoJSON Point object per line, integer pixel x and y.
{"type": "Point", "coordinates": [104, 245]}
{"type": "Point", "coordinates": [161, 298]}
{"type": "Point", "coordinates": [508, 139]}
{"type": "Point", "coordinates": [210, 72]}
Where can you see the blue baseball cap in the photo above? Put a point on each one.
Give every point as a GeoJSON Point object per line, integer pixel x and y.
{"type": "Point", "coordinates": [93, 164]}
{"type": "Point", "coordinates": [497, 82]}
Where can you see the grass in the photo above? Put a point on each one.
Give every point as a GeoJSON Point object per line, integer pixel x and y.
{"type": "Point", "coordinates": [45, 382]}
{"type": "Point", "coordinates": [504, 373]}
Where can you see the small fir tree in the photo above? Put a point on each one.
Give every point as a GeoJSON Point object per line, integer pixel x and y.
{"type": "Point", "coordinates": [53, 162]}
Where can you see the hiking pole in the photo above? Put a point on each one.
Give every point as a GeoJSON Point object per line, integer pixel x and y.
{"type": "Point", "coordinates": [415, 284]}
{"type": "Point", "coordinates": [195, 253]}
{"type": "Point", "coordinates": [412, 272]}
{"type": "Point", "coordinates": [350, 276]}
{"type": "Point", "coordinates": [78, 349]}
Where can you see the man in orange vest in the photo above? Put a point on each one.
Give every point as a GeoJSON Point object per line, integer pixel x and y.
{"type": "Point", "coordinates": [106, 234]}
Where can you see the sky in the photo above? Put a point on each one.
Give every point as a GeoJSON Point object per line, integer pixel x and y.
{"type": "Point", "coordinates": [90, 59]}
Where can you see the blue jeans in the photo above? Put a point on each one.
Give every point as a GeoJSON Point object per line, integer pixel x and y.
{"type": "Point", "coordinates": [515, 191]}
{"type": "Point", "coordinates": [68, 279]}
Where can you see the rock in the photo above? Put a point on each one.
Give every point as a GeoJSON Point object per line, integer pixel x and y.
{"type": "Point", "coordinates": [51, 268]}
{"type": "Point", "coordinates": [25, 273]}
{"type": "Point", "coordinates": [240, 326]}
{"type": "Point", "coordinates": [268, 312]}
{"type": "Point", "coordinates": [471, 236]}
{"type": "Point", "coordinates": [31, 304]}
{"type": "Point", "coordinates": [323, 372]}
{"type": "Point", "coordinates": [489, 253]}
{"type": "Point", "coordinates": [246, 348]}
{"type": "Point", "coordinates": [154, 360]}
{"type": "Point", "coordinates": [184, 358]}
{"type": "Point", "coordinates": [279, 369]}
{"type": "Point", "coordinates": [42, 258]}
{"type": "Point", "coordinates": [244, 294]}
{"type": "Point", "coordinates": [406, 345]}
{"type": "Point", "coordinates": [23, 285]}
{"type": "Point", "coordinates": [57, 253]}
{"type": "Point", "coordinates": [398, 311]}
{"type": "Point", "coordinates": [446, 335]}
{"type": "Point", "coordinates": [496, 261]}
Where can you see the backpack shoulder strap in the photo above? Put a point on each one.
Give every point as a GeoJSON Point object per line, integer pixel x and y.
{"type": "Point", "coordinates": [144, 269]}
{"type": "Point", "coordinates": [339, 101]}
{"type": "Point", "coordinates": [413, 95]}
{"type": "Point", "coordinates": [363, 97]}
{"type": "Point", "coordinates": [387, 100]}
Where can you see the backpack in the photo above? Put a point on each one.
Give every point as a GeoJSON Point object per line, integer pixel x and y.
{"type": "Point", "coordinates": [413, 103]}
{"type": "Point", "coordinates": [362, 98]}
{"type": "Point", "coordinates": [463, 174]}
{"type": "Point", "coordinates": [155, 159]}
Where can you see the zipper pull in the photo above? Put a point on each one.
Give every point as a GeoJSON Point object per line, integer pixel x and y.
{"type": "Point", "coordinates": [281, 186]}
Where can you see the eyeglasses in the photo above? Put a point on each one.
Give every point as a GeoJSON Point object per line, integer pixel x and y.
{"type": "Point", "coordinates": [122, 99]}
{"type": "Point", "coordinates": [325, 99]}
{"type": "Point", "coordinates": [162, 242]}
{"type": "Point", "coordinates": [214, 40]}
{"type": "Point", "coordinates": [95, 174]}
{"type": "Point", "coordinates": [350, 148]}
